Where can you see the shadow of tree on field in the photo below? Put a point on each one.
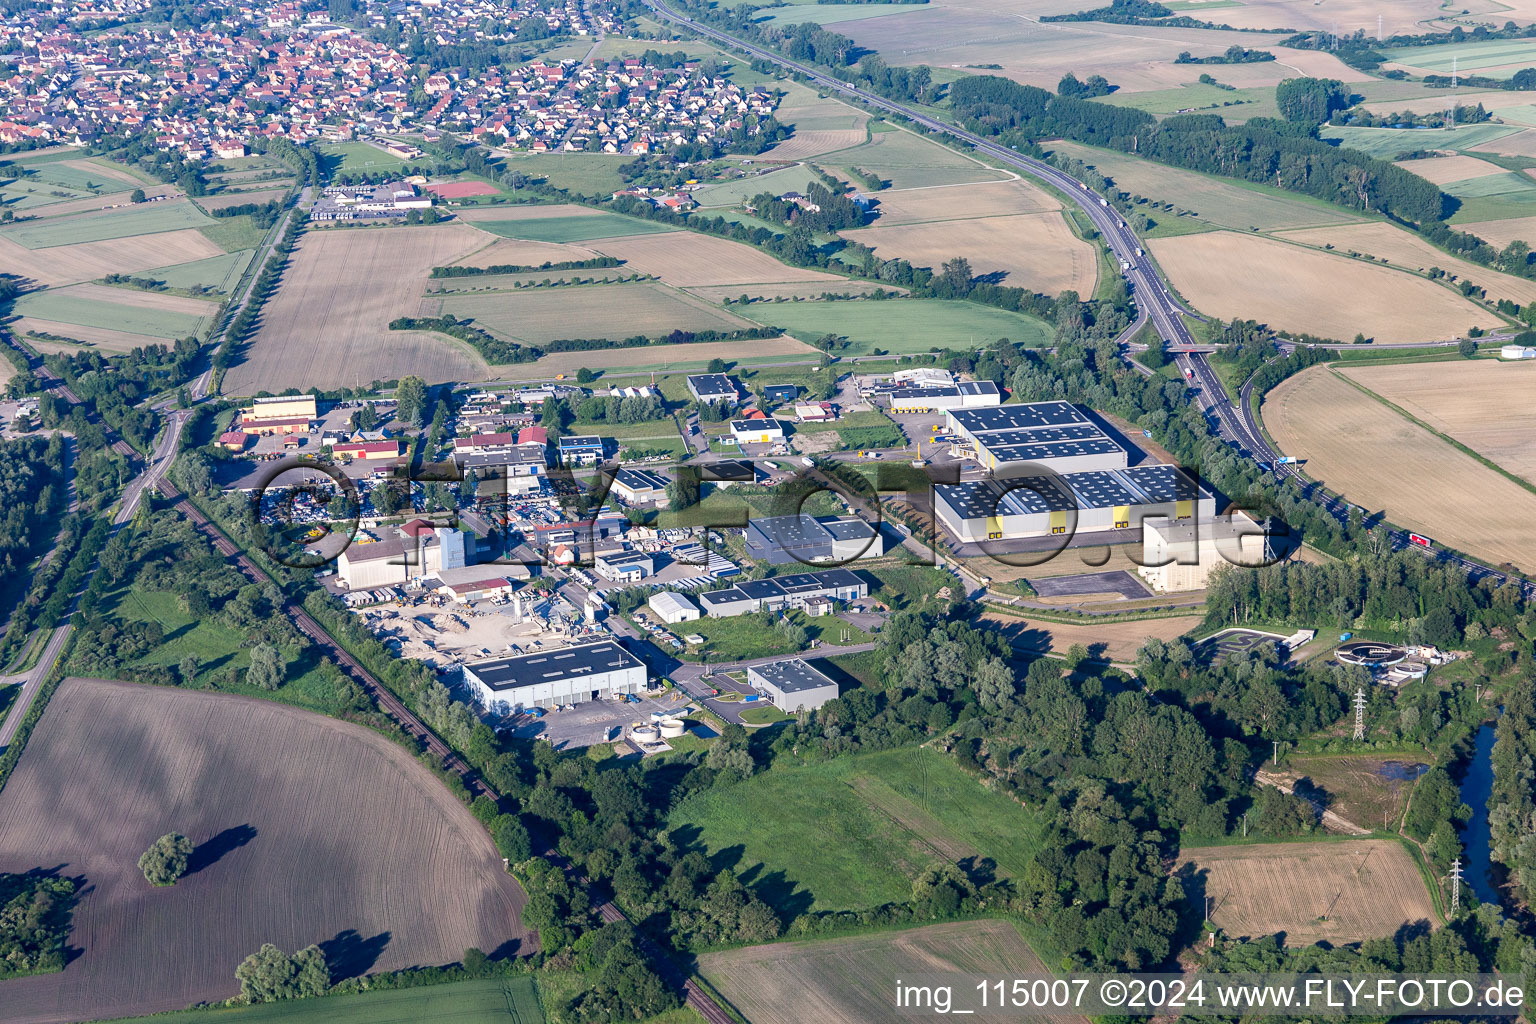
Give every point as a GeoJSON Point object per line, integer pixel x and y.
{"type": "Point", "coordinates": [349, 955]}
{"type": "Point", "coordinates": [210, 852]}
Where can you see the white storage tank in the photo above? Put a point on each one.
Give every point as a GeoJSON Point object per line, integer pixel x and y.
{"type": "Point", "coordinates": [645, 734]}
{"type": "Point", "coordinates": [672, 728]}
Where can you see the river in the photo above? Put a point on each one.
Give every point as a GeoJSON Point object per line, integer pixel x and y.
{"type": "Point", "coordinates": [1476, 788]}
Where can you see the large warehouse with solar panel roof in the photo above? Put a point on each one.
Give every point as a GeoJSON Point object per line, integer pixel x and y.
{"type": "Point", "coordinates": [1024, 445]}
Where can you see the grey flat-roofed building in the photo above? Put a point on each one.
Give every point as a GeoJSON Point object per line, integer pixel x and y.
{"type": "Point", "coordinates": [635, 486]}
{"type": "Point", "coordinates": [624, 566]}
{"type": "Point", "coordinates": [1039, 506]}
{"type": "Point", "coordinates": [795, 590]}
{"type": "Point", "coordinates": [712, 387]}
{"type": "Point", "coordinates": [780, 540]}
{"type": "Point", "coordinates": [1058, 435]}
{"type": "Point", "coordinates": [567, 675]}
{"type": "Point", "coordinates": [964, 395]}
{"type": "Point", "coordinates": [792, 684]}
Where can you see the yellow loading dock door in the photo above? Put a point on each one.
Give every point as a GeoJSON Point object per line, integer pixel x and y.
{"type": "Point", "coordinates": [1058, 522]}
{"type": "Point", "coordinates": [1122, 516]}
{"type": "Point", "coordinates": [994, 527]}
{"type": "Point", "coordinates": [1183, 509]}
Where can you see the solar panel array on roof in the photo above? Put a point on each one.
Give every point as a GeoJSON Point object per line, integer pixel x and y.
{"type": "Point", "coordinates": [982, 499]}
{"type": "Point", "coordinates": [1017, 417]}
{"type": "Point", "coordinates": [1049, 450]}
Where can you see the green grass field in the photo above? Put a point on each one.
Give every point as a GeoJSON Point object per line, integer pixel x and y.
{"type": "Point", "coordinates": [216, 647]}
{"type": "Point", "coordinates": [833, 14]}
{"type": "Point", "coordinates": [1216, 202]}
{"type": "Point", "coordinates": [1390, 143]}
{"type": "Point", "coordinates": [908, 160]}
{"type": "Point", "coordinates": [219, 272]}
{"type": "Point", "coordinates": [139, 220]}
{"type": "Point", "coordinates": [66, 308]}
{"type": "Point", "coordinates": [1483, 57]}
{"type": "Point", "coordinates": [481, 1001]}
{"type": "Point", "coordinates": [78, 179]}
{"type": "Point", "coordinates": [732, 193]}
{"type": "Point", "coordinates": [590, 174]}
{"type": "Point", "coordinates": [1508, 184]}
{"type": "Point", "coordinates": [342, 157]}
{"type": "Point", "coordinates": [32, 194]}
{"type": "Point", "coordinates": [540, 315]}
{"type": "Point", "coordinates": [1234, 105]}
{"type": "Point", "coordinates": [744, 636]}
{"type": "Point", "coordinates": [902, 326]}
{"type": "Point", "coordinates": [852, 833]}
{"type": "Point", "coordinates": [578, 228]}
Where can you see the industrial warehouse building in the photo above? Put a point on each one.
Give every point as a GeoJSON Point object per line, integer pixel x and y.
{"type": "Point", "coordinates": [672, 607]}
{"type": "Point", "coordinates": [969, 394]}
{"type": "Point", "coordinates": [712, 387]}
{"type": "Point", "coordinates": [780, 540]}
{"type": "Point", "coordinates": [624, 566]}
{"type": "Point", "coordinates": [417, 549]}
{"type": "Point", "coordinates": [568, 675]}
{"type": "Point", "coordinates": [1179, 556]}
{"type": "Point", "coordinates": [792, 685]}
{"type": "Point", "coordinates": [759, 430]}
{"type": "Point", "coordinates": [798, 590]}
{"type": "Point", "coordinates": [286, 414]}
{"type": "Point", "coordinates": [1058, 435]}
{"type": "Point", "coordinates": [1040, 506]}
{"type": "Point", "coordinates": [640, 486]}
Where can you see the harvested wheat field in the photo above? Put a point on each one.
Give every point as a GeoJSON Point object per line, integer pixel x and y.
{"type": "Point", "coordinates": [1238, 276]}
{"type": "Point", "coordinates": [327, 325]}
{"type": "Point", "coordinates": [685, 259]}
{"type": "Point", "coordinates": [848, 981]}
{"type": "Point", "coordinates": [944, 202]}
{"type": "Point", "coordinates": [1405, 249]}
{"type": "Point", "coordinates": [103, 338]}
{"type": "Point", "coordinates": [92, 203]}
{"type": "Point", "coordinates": [1501, 232]}
{"type": "Point", "coordinates": [86, 261]}
{"type": "Point", "coordinates": [519, 253]}
{"type": "Point", "coordinates": [1521, 143]}
{"type": "Point", "coordinates": [1111, 641]}
{"type": "Point", "coordinates": [814, 142]}
{"type": "Point", "coordinates": [224, 199]}
{"type": "Point", "coordinates": [1037, 251]}
{"type": "Point", "coordinates": [1313, 892]}
{"type": "Point", "coordinates": [1483, 404]}
{"type": "Point", "coordinates": [141, 299]}
{"type": "Point", "coordinates": [1445, 169]}
{"type": "Point", "coordinates": [1377, 458]}
{"type": "Point", "coordinates": [536, 316]}
{"type": "Point", "coordinates": [494, 213]}
{"type": "Point", "coordinates": [310, 830]}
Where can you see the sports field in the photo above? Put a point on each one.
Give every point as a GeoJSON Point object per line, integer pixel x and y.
{"type": "Point", "coordinates": [903, 326]}
{"type": "Point", "coordinates": [1238, 275]}
{"type": "Point", "coordinates": [327, 324]}
{"type": "Point", "coordinates": [538, 315]}
{"type": "Point", "coordinates": [560, 224]}
{"type": "Point", "coordinates": [263, 788]}
{"type": "Point", "coordinates": [1379, 459]}
{"type": "Point", "coordinates": [1482, 403]}
{"type": "Point", "coordinates": [144, 219]}
{"type": "Point", "coordinates": [345, 157]}
{"type": "Point", "coordinates": [854, 832]}
{"type": "Point", "coordinates": [482, 1001]}
{"type": "Point", "coordinates": [1403, 248]}
{"type": "Point", "coordinates": [1313, 892]}
{"type": "Point", "coordinates": [849, 980]}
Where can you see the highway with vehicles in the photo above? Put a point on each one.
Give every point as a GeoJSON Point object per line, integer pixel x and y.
{"type": "Point", "coordinates": [1154, 301]}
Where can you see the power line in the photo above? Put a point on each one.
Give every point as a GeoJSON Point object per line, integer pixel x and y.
{"type": "Point", "coordinates": [1455, 886]}
{"type": "Point", "coordinates": [1359, 713]}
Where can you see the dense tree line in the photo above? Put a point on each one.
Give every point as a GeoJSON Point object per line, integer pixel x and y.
{"type": "Point", "coordinates": [1260, 150]}
{"type": "Point", "coordinates": [490, 347]}
{"type": "Point", "coordinates": [594, 263]}
{"type": "Point", "coordinates": [263, 215]}
{"type": "Point", "coordinates": [32, 494]}
{"type": "Point", "coordinates": [1512, 806]}
{"type": "Point", "coordinates": [1233, 54]}
{"type": "Point", "coordinates": [35, 912]}
{"type": "Point", "coordinates": [1144, 12]}
{"type": "Point", "coordinates": [240, 328]}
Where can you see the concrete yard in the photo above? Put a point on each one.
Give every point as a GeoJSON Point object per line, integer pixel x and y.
{"type": "Point", "coordinates": [594, 722]}
{"type": "Point", "coordinates": [1092, 584]}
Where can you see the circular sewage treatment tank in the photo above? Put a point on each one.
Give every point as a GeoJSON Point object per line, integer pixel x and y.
{"type": "Point", "coordinates": [1370, 653]}
{"type": "Point", "coordinates": [645, 734]}
{"type": "Point", "coordinates": [672, 728]}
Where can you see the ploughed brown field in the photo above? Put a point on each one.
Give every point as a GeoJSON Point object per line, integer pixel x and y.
{"type": "Point", "coordinates": [1333, 891]}
{"type": "Point", "coordinates": [309, 830]}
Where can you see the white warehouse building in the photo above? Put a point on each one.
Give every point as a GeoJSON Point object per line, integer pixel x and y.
{"type": "Point", "coordinates": [565, 675]}
{"type": "Point", "coordinates": [1040, 506]}
{"type": "Point", "coordinates": [1057, 435]}
{"type": "Point", "coordinates": [969, 394]}
{"type": "Point", "coordinates": [672, 607]}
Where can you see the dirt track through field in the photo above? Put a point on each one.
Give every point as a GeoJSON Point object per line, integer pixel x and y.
{"type": "Point", "coordinates": [326, 833]}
